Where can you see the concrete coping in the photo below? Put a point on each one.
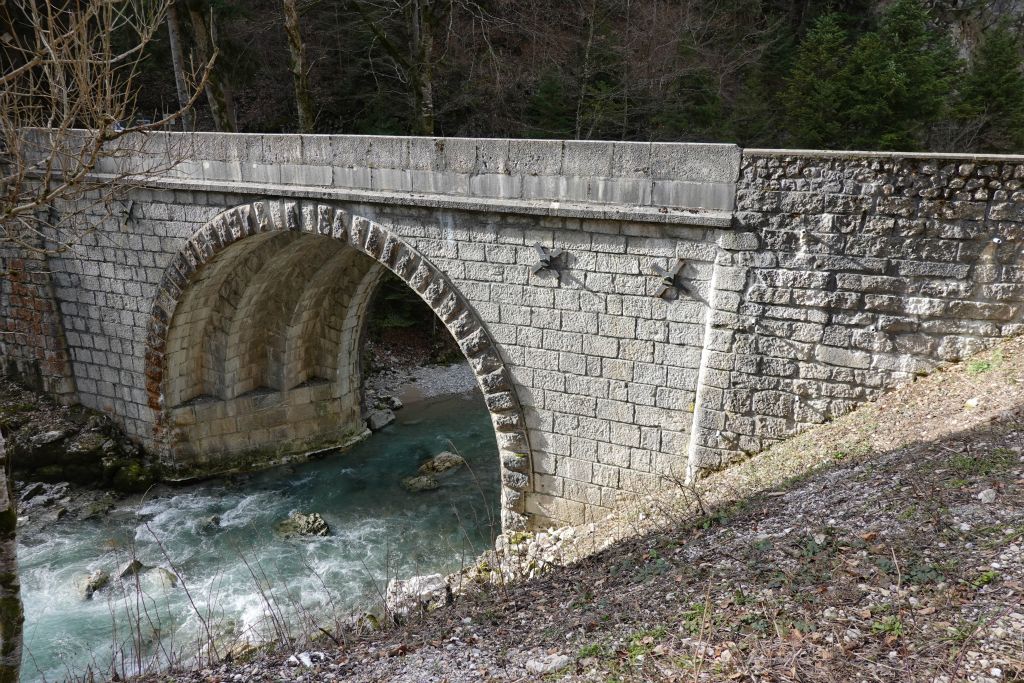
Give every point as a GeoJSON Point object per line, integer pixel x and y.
{"type": "Point", "coordinates": [854, 154]}
{"type": "Point", "coordinates": [581, 210]}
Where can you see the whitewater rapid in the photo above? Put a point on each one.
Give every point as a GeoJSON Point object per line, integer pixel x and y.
{"type": "Point", "coordinates": [237, 580]}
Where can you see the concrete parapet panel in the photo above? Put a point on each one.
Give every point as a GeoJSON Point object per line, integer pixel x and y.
{"type": "Point", "coordinates": [574, 177]}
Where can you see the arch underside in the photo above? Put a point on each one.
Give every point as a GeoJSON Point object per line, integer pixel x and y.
{"type": "Point", "coordinates": [254, 342]}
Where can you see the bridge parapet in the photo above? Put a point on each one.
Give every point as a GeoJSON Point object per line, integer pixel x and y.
{"type": "Point", "coordinates": [686, 183]}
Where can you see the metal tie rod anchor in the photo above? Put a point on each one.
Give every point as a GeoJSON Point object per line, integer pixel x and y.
{"type": "Point", "coordinates": [670, 285]}
{"type": "Point", "coordinates": [546, 260]}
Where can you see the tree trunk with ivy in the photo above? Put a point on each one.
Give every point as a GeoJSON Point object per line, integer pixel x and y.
{"type": "Point", "coordinates": [299, 69]}
{"type": "Point", "coordinates": [222, 107]}
{"type": "Point", "coordinates": [12, 614]}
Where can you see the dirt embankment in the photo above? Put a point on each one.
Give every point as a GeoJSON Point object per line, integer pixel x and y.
{"type": "Point", "coordinates": [888, 545]}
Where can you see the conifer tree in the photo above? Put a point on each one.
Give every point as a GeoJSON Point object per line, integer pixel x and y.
{"type": "Point", "coordinates": [884, 92]}
{"type": "Point", "coordinates": [551, 113]}
{"type": "Point", "coordinates": [815, 94]}
{"type": "Point", "coordinates": [992, 95]}
{"type": "Point", "coordinates": [899, 80]}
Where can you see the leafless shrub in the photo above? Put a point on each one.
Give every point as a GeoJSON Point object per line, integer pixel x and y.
{"type": "Point", "coordinates": [69, 73]}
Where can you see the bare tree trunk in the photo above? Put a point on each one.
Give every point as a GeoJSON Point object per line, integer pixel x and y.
{"type": "Point", "coordinates": [585, 74]}
{"type": "Point", "coordinates": [174, 33]}
{"type": "Point", "coordinates": [422, 76]}
{"type": "Point", "coordinates": [297, 52]}
{"type": "Point", "coordinates": [413, 54]}
{"type": "Point", "coordinates": [219, 98]}
{"type": "Point", "coordinates": [12, 615]}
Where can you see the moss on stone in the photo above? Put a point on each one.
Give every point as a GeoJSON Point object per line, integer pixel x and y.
{"type": "Point", "coordinates": [134, 477]}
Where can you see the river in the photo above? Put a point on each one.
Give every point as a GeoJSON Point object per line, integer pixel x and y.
{"type": "Point", "coordinates": [239, 580]}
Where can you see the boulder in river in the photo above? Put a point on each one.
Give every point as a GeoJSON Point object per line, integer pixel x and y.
{"type": "Point", "coordinates": [43, 495]}
{"type": "Point", "coordinates": [379, 419]}
{"type": "Point", "coordinates": [130, 569]}
{"type": "Point", "coordinates": [88, 585]}
{"type": "Point", "coordinates": [164, 578]}
{"type": "Point", "coordinates": [211, 523]}
{"type": "Point", "coordinates": [31, 491]}
{"type": "Point", "coordinates": [421, 482]}
{"type": "Point", "coordinates": [442, 462]}
{"type": "Point", "coordinates": [97, 508]}
{"type": "Point", "coordinates": [52, 515]}
{"type": "Point", "coordinates": [299, 524]}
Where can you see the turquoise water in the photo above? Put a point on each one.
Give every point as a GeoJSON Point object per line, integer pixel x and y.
{"type": "Point", "coordinates": [240, 581]}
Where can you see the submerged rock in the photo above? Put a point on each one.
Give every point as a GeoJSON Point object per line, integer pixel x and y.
{"type": "Point", "coordinates": [88, 585]}
{"type": "Point", "coordinates": [164, 578]}
{"type": "Point", "coordinates": [211, 523]}
{"type": "Point", "coordinates": [299, 524]}
{"type": "Point", "coordinates": [130, 569]}
{"type": "Point", "coordinates": [379, 419]}
{"type": "Point", "coordinates": [442, 462]}
{"type": "Point", "coordinates": [421, 482]}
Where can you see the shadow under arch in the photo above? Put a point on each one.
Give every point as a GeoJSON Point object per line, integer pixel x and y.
{"type": "Point", "coordinates": [228, 396]}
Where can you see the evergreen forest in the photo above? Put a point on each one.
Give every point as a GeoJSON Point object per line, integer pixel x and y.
{"type": "Point", "coordinates": [938, 75]}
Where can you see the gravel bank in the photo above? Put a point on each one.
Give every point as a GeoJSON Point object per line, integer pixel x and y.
{"type": "Point", "coordinates": [419, 383]}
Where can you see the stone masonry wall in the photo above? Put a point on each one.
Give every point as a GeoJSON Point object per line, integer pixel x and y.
{"type": "Point", "coordinates": [606, 372]}
{"type": "Point", "coordinates": [840, 276]}
{"type": "Point", "coordinates": [847, 275]}
{"type": "Point", "coordinates": [33, 347]}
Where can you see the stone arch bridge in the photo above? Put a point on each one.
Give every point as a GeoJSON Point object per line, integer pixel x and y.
{"type": "Point", "coordinates": [633, 312]}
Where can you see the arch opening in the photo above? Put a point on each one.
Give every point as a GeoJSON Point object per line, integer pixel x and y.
{"type": "Point", "coordinates": [255, 342]}
{"type": "Point", "coordinates": [401, 336]}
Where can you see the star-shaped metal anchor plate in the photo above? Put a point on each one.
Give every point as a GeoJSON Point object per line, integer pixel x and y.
{"type": "Point", "coordinates": [547, 261]}
{"type": "Point", "coordinates": [669, 287]}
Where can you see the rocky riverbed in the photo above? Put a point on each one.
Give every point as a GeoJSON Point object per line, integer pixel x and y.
{"type": "Point", "coordinates": [68, 462]}
{"type": "Point", "coordinates": [54, 443]}
{"type": "Point", "coordinates": [300, 547]}
{"type": "Point", "coordinates": [71, 462]}
{"type": "Point", "coordinates": [98, 531]}
{"type": "Point", "coordinates": [398, 380]}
